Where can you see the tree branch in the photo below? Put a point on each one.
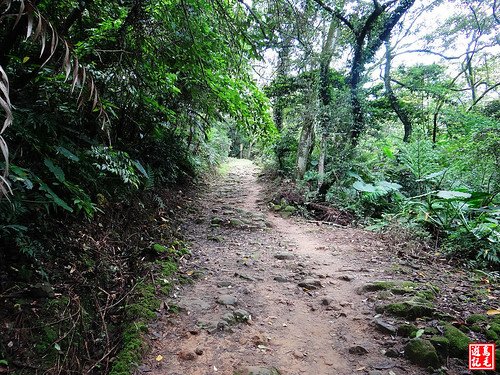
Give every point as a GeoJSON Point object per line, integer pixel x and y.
{"type": "Point", "coordinates": [483, 95]}
{"type": "Point", "coordinates": [336, 14]}
{"type": "Point", "coordinates": [254, 16]}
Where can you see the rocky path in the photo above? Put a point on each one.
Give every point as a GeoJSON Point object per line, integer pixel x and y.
{"type": "Point", "coordinates": [274, 295]}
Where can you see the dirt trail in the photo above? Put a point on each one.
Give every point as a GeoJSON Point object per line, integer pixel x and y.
{"type": "Point", "coordinates": [236, 242]}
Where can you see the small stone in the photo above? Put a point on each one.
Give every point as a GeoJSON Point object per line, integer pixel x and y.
{"type": "Point", "coordinates": [237, 223]}
{"type": "Point", "coordinates": [199, 351]}
{"type": "Point", "coordinates": [259, 339]}
{"type": "Point", "coordinates": [241, 315]}
{"type": "Point", "coordinates": [186, 355]}
{"type": "Point", "coordinates": [214, 238]}
{"type": "Point", "coordinates": [326, 301]}
{"type": "Point", "coordinates": [255, 370]}
{"type": "Point", "coordinates": [346, 278]}
{"type": "Point", "coordinates": [42, 290]}
{"type": "Point", "coordinates": [310, 284]}
{"type": "Point", "coordinates": [280, 279]}
{"type": "Point", "coordinates": [229, 318]}
{"type": "Point", "coordinates": [392, 353]}
{"type": "Point", "coordinates": [223, 326]}
{"type": "Point", "coordinates": [298, 354]}
{"type": "Point", "coordinates": [284, 256]}
{"type": "Point", "coordinates": [383, 366]}
{"type": "Point", "coordinates": [384, 326]}
{"type": "Point", "coordinates": [224, 284]}
{"type": "Point", "coordinates": [144, 368]}
{"type": "Point", "coordinates": [216, 221]}
{"type": "Point", "coordinates": [227, 300]}
{"type": "Point", "coordinates": [358, 349]}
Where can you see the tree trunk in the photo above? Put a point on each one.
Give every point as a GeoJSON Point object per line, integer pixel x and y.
{"type": "Point", "coordinates": [306, 141]}
{"type": "Point", "coordinates": [325, 98]}
{"type": "Point", "coordinates": [305, 146]}
{"type": "Point", "coordinates": [354, 83]}
{"type": "Point", "coordinates": [400, 112]}
{"type": "Point", "coordinates": [282, 70]}
{"type": "Point", "coordinates": [368, 40]}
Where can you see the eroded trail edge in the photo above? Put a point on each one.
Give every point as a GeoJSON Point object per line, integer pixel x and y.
{"type": "Point", "coordinates": [274, 295]}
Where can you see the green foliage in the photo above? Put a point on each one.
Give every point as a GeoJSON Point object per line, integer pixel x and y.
{"type": "Point", "coordinates": [174, 81]}
{"type": "Point", "coordinates": [117, 163]}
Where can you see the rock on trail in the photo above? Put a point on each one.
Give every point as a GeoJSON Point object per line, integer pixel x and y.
{"type": "Point", "coordinates": [277, 295]}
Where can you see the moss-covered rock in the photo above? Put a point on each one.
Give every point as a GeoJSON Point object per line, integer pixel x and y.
{"type": "Point", "coordinates": [431, 331]}
{"type": "Point", "coordinates": [441, 344]}
{"type": "Point", "coordinates": [275, 207]}
{"type": "Point", "coordinates": [495, 327]}
{"type": "Point", "coordinates": [397, 287]}
{"type": "Point", "coordinates": [384, 295]}
{"type": "Point", "coordinates": [216, 221]}
{"type": "Point", "coordinates": [407, 330]}
{"type": "Point", "coordinates": [254, 370]}
{"type": "Point", "coordinates": [145, 305]}
{"type": "Point", "coordinates": [491, 335]}
{"type": "Point", "coordinates": [476, 318]}
{"type": "Point", "coordinates": [428, 295]}
{"type": "Point", "coordinates": [458, 341]}
{"type": "Point", "coordinates": [476, 328]}
{"type": "Point", "coordinates": [134, 347]}
{"type": "Point", "coordinates": [422, 353]}
{"type": "Point", "coordinates": [237, 223]}
{"type": "Point", "coordinates": [410, 309]}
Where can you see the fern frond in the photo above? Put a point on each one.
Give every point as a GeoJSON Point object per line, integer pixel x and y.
{"type": "Point", "coordinates": [44, 31]}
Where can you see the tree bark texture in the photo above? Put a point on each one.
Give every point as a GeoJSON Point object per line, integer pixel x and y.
{"type": "Point", "coordinates": [325, 98]}
{"type": "Point", "coordinates": [306, 141]}
{"type": "Point", "coordinates": [393, 100]}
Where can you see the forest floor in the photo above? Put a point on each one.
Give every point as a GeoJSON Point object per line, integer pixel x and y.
{"type": "Point", "coordinates": [291, 296]}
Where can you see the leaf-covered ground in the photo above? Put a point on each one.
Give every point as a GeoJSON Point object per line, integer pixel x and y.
{"type": "Point", "coordinates": [274, 294]}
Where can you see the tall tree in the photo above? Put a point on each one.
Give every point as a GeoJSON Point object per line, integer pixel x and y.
{"type": "Point", "coordinates": [325, 96]}
{"type": "Point", "coordinates": [391, 96]}
{"type": "Point", "coordinates": [369, 32]}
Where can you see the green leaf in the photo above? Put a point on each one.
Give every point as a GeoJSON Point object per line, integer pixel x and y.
{"type": "Point", "coordinates": [449, 194]}
{"type": "Point", "coordinates": [140, 168]}
{"type": "Point", "coordinates": [432, 175]}
{"type": "Point", "coordinates": [15, 227]}
{"type": "Point", "coordinates": [159, 248]}
{"type": "Point", "coordinates": [55, 198]}
{"type": "Point", "coordinates": [361, 186]}
{"type": "Point", "coordinates": [388, 152]}
{"type": "Point", "coordinates": [355, 175]}
{"type": "Point", "coordinates": [3, 362]}
{"type": "Point", "coordinates": [57, 347]}
{"type": "Point", "coordinates": [419, 333]}
{"type": "Point", "coordinates": [56, 170]}
{"type": "Point", "coordinates": [67, 153]}
{"type": "Point", "coordinates": [389, 186]}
